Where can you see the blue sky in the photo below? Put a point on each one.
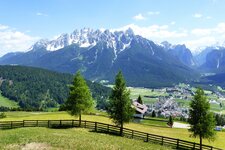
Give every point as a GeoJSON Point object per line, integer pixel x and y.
{"type": "Point", "coordinates": [196, 23]}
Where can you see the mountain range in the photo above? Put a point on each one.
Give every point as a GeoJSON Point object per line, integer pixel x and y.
{"type": "Point", "coordinates": [100, 54]}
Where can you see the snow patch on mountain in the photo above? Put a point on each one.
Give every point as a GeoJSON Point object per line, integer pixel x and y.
{"type": "Point", "coordinates": [166, 45]}
{"type": "Point", "coordinates": [39, 44]}
{"type": "Point", "coordinates": [88, 38]}
{"type": "Point", "coordinates": [218, 64]}
{"type": "Point", "coordinates": [218, 61]}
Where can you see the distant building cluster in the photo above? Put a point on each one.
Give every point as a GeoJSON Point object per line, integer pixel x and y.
{"type": "Point", "coordinates": [168, 105]}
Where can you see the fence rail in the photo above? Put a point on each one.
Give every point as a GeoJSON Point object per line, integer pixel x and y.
{"type": "Point", "coordinates": [107, 128]}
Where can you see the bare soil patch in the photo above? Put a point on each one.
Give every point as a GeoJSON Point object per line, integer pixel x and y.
{"type": "Point", "coordinates": [29, 146]}
{"type": "Point", "coordinates": [36, 146]}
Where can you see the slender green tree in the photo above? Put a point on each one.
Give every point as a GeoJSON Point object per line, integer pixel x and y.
{"type": "Point", "coordinates": [153, 113]}
{"type": "Point", "coordinates": [139, 100]}
{"type": "Point", "coordinates": [200, 118]}
{"type": "Point", "coordinates": [120, 109]}
{"type": "Point", "coordinates": [170, 121]}
{"type": "Point", "coordinates": [80, 99]}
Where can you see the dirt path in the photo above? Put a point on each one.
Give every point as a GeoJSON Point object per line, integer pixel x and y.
{"type": "Point", "coordinates": [181, 125]}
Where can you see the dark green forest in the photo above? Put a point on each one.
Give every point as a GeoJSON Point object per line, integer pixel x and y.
{"type": "Point", "coordinates": [39, 89]}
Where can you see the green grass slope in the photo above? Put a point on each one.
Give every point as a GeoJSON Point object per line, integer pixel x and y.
{"type": "Point", "coordinates": [146, 127]}
{"type": "Point", "coordinates": [68, 139]}
{"type": "Point", "coordinates": [5, 102]}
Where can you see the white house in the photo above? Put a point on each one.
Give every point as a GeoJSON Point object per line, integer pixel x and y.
{"type": "Point", "coordinates": [141, 109]}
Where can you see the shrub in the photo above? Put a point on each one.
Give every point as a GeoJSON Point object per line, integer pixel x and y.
{"type": "Point", "coordinates": [2, 115]}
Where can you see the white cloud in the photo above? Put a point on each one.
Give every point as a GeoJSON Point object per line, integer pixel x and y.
{"type": "Point", "coordinates": [12, 40]}
{"type": "Point", "coordinates": [220, 28]}
{"type": "Point", "coordinates": [197, 15]}
{"type": "Point", "coordinates": [41, 14]}
{"type": "Point", "coordinates": [206, 36]}
{"type": "Point", "coordinates": [217, 30]}
{"type": "Point", "coordinates": [195, 44]}
{"type": "Point", "coordinates": [155, 32]}
{"type": "Point", "coordinates": [3, 27]}
{"type": "Point", "coordinates": [173, 23]}
{"type": "Point", "coordinates": [201, 32]}
{"type": "Point", "coordinates": [139, 17]}
{"type": "Point", "coordinates": [153, 13]}
{"type": "Point", "coordinates": [193, 38]}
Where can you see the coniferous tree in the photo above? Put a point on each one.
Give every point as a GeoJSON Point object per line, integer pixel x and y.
{"type": "Point", "coordinates": [139, 100]}
{"type": "Point", "coordinates": [153, 113]}
{"type": "Point", "coordinates": [200, 118]}
{"type": "Point", "coordinates": [80, 99]}
{"type": "Point", "coordinates": [220, 119]}
{"type": "Point", "coordinates": [120, 109]}
{"type": "Point", "coordinates": [170, 121]}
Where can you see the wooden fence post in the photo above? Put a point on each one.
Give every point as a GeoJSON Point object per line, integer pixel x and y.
{"type": "Point", "coordinates": [147, 137]}
{"type": "Point", "coordinates": [132, 134]}
{"type": "Point", "coordinates": [194, 145]}
{"type": "Point", "coordinates": [162, 140]}
{"type": "Point", "coordinates": [48, 123]}
{"type": "Point", "coordinates": [23, 123]}
{"type": "Point", "coordinates": [37, 123]}
{"type": "Point", "coordinates": [60, 123]}
{"type": "Point", "coordinates": [211, 147]}
{"type": "Point", "coordinates": [11, 124]}
{"type": "Point", "coordinates": [108, 128]}
{"type": "Point", "coordinates": [85, 124]}
{"type": "Point", "coordinates": [95, 126]}
{"type": "Point", "coordinates": [72, 123]}
{"type": "Point", "coordinates": [178, 143]}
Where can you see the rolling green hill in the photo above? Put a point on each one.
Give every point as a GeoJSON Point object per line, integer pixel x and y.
{"type": "Point", "coordinates": [39, 89]}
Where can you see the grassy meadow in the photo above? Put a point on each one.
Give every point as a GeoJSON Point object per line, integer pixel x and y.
{"type": "Point", "coordinates": [145, 127]}
{"type": "Point", "coordinates": [154, 122]}
{"type": "Point", "coordinates": [66, 139]}
{"type": "Point", "coordinates": [51, 138]}
{"type": "Point", "coordinates": [135, 92]}
{"type": "Point", "coordinates": [7, 103]}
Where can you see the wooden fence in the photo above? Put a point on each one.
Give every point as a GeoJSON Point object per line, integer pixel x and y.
{"type": "Point", "coordinates": [107, 128]}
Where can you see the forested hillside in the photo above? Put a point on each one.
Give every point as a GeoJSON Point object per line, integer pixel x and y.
{"type": "Point", "coordinates": [38, 89]}
{"type": "Point", "coordinates": [217, 79]}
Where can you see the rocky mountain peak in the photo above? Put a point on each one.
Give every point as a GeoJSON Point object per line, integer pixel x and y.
{"type": "Point", "coordinates": [87, 37]}
{"type": "Point", "coordinates": [41, 44]}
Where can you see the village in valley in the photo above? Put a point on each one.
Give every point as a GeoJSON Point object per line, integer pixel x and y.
{"type": "Point", "coordinates": [173, 101]}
